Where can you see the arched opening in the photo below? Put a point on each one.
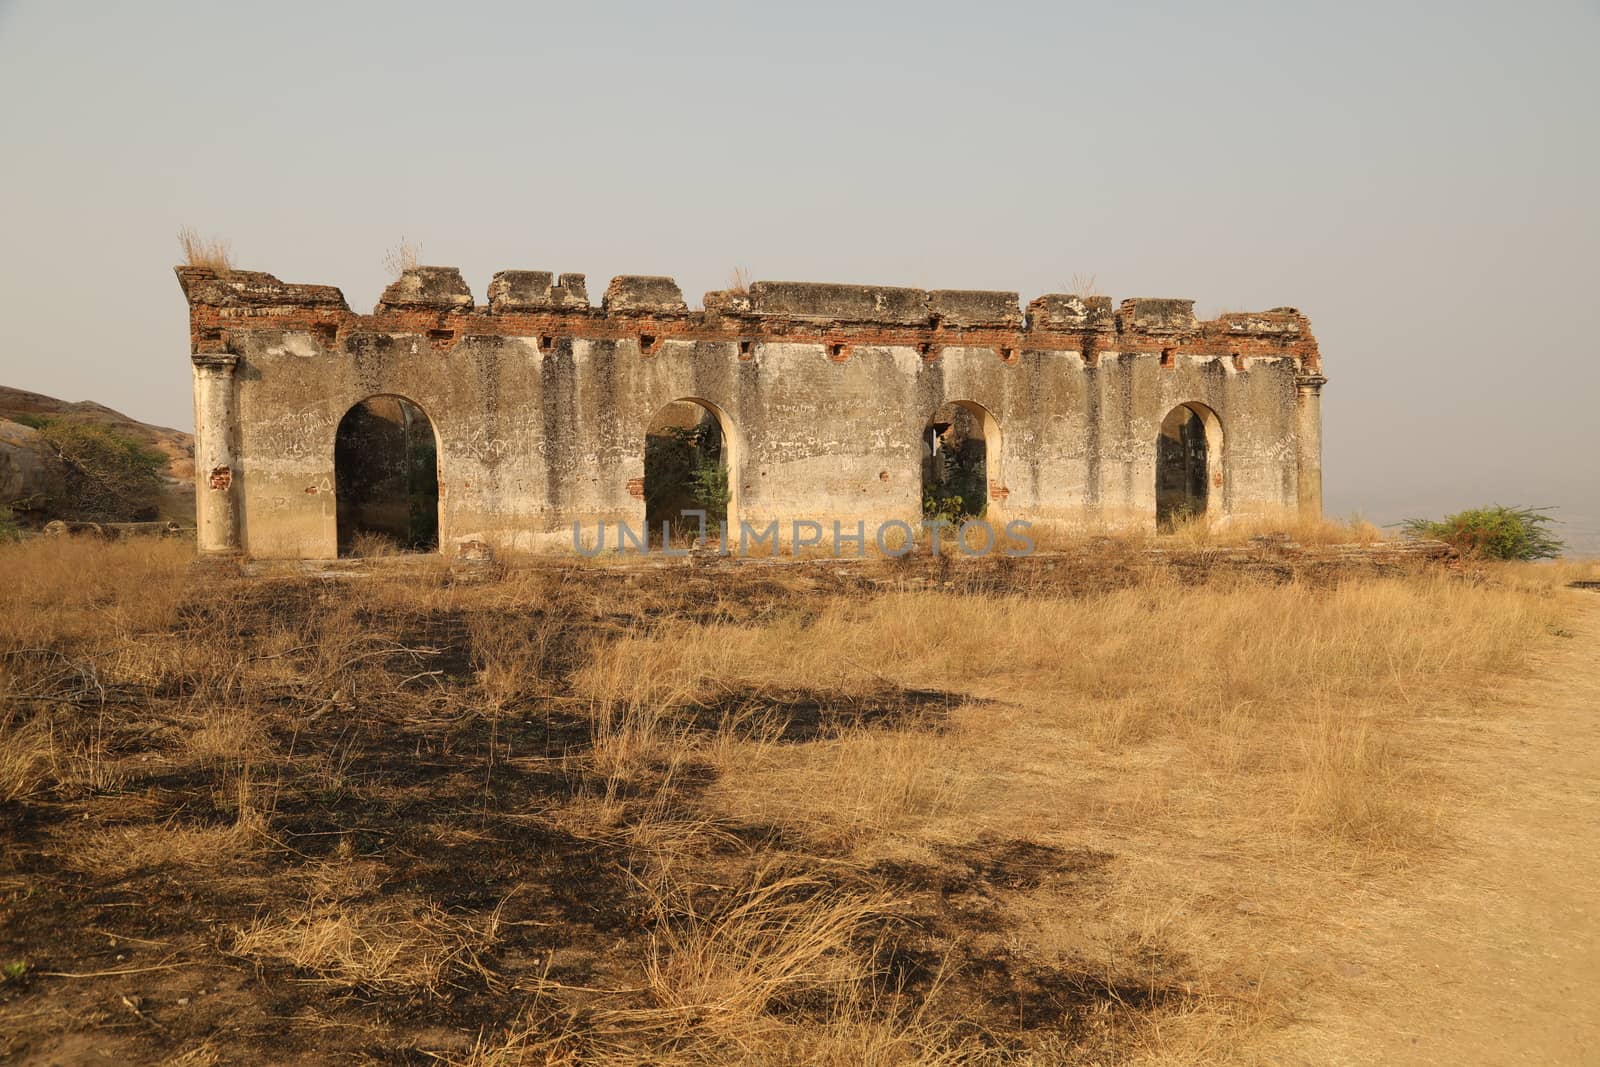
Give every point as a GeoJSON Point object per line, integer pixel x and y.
{"type": "Point", "coordinates": [386, 478]}
{"type": "Point", "coordinates": [688, 452]}
{"type": "Point", "coordinates": [1188, 464]}
{"type": "Point", "coordinates": [960, 461]}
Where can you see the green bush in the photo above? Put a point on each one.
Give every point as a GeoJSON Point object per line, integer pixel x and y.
{"type": "Point", "coordinates": [709, 487]}
{"type": "Point", "coordinates": [951, 507]}
{"type": "Point", "coordinates": [683, 469]}
{"type": "Point", "coordinates": [9, 530]}
{"type": "Point", "coordinates": [962, 491]}
{"type": "Point", "coordinates": [110, 478]}
{"type": "Point", "coordinates": [1494, 532]}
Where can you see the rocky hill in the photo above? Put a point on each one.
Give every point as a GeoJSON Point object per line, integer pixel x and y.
{"type": "Point", "coordinates": [32, 476]}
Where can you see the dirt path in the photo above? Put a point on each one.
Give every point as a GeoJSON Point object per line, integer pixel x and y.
{"type": "Point", "coordinates": [1497, 961]}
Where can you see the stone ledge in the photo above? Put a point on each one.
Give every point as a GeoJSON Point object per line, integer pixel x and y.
{"type": "Point", "coordinates": [253, 289]}
{"type": "Point", "coordinates": [1279, 322]}
{"type": "Point", "coordinates": [439, 288]}
{"type": "Point", "coordinates": [1157, 316]}
{"type": "Point", "coordinates": [536, 290]}
{"type": "Point", "coordinates": [644, 293]}
{"type": "Point", "coordinates": [826, 302]}
{"type": "Point", "coordinates": [975, 307]}
{"type": "Point", "coordinates": [1065, 311]}
{"type": "Point", "coordinates": [220, 299]}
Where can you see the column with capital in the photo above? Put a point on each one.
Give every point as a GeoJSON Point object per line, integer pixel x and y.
{"type": "Point", "coordinates": [215, 430]}
{"type": "Point", "coordinates": [1308, 436]}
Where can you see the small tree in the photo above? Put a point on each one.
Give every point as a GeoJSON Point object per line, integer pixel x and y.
{"type": "Point", "coordinates": [684, 469]}
{"type": "Point", "coordinates": [961, 491]}
{"type": "Point", "coordinates": [110, 478]}
{"type": "Point", "coordinates": [1494, 532]}
{"type": "Point", "coordinates": [710, 488]}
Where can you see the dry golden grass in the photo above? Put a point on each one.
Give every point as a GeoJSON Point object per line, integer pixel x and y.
{"type": "Point", "coordinates": [658, 815]}
{"type": "Point", "coordinates": [522, 1044]}
{"type": "Point", "coordinates": [1282, 720]}
{"type": "Point", "coordinates": [728, 965]}
{"type": "Point", "coordinates": [75, 622]}
{"type": "Point", "coordinates": [880, 1036]}
{"type": "Point", "coordinates": [67, 587]}
{"type": "Point", "coordinates": [204, 1054]}
{"type": "Point", "coordinates": [225, 734]}
{"type": "Point", "coordinates": [125, 849]}
{"type": "Point", "coordinates": [510, 654]}
{"type": "Point", "coordinates": [198, 251]}
{"type": "Point", "coordinates": [780, 937]}
{"type": "Point", "coordinates": [1293, 691]}
{"type": "Point", "coordinates": [871, 784]}
{"type": "Point", "coordinates": [27, 752]}
{"type": "Point", "coordinates": [633, 730]}
{"type": "Point", "coordinates": [1545, 576]}
{"type": "Point", "coordinates": [401, 946]}
{"type": "Point", "coordinates": [1201, 532]}
{"type": "Point", "coordinates": [369, 545]}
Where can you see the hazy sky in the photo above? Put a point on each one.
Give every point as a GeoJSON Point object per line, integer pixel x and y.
{"type": "Point", "coordinates": [1420, 179]}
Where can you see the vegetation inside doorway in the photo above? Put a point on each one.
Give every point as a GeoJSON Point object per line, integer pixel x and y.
{"type": "Point", "coordinates": [685, 469]}
{"type": "Point", "coordinates": [955, 465]}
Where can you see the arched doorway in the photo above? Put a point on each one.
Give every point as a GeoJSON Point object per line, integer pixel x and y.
{"type": "Point", "coordinates": [386, 478]}
{"type": "Point", "coordinates": [960, 461]}
{"type": "Point", "coordinates": [688, 466]}
{"type": "Point", "coordinates": [1188, 464]}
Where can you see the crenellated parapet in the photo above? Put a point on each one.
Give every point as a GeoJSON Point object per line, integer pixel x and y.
{"type": "Point", "coordinates": [514, 291]}
{"type": "Point", "coordinates": [834, 403]}
{"type": "Point", "coordinates": [525, 303]}
{"type": "Point", "coordinates": [427, 288]}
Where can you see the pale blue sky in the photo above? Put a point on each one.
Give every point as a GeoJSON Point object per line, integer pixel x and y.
{"type": "Point", "coordinates": [1420, 179]}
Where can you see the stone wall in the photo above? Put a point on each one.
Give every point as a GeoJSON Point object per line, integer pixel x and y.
{"type": "Point", "coordinates": [540, 401]}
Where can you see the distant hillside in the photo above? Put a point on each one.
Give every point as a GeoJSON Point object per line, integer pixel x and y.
{"type": "Point", "coordinates": [30, 474]}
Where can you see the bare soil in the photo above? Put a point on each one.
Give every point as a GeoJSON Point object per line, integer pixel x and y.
{"type": "Point", "coordinates": [1495, 959]}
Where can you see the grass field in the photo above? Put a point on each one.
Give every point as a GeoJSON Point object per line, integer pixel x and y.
{"type": "Point", "coordinates": [892, 815]}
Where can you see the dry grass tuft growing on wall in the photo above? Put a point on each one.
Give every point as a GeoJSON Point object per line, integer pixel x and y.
{"type": "Point", "coordinates": [1083, 285]}
{"type": "Point", "coordinates": [407, 255]}
{"type": "Point", "coordinates": [209, 252]}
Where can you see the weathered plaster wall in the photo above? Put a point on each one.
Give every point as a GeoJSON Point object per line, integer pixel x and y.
{"type": "Point", "coordinates": [540, 402]}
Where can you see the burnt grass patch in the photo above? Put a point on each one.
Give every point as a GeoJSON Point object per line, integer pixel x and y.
{"type": "Point", "coordinates": [949, 938]}
{"type": "Point", "coordinates": [381, 780]}
{"type": "Point", "coordinates": [802, 715]}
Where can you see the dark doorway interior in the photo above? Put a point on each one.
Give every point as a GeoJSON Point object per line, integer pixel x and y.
{"type": "Point", "coordinates": [955, 463]}
{"type": "Point", "coordinates": [685, 469]}
{"type": "Point", "coordinates": [386, 471]}
{"type": "Point", "coordinates": [1182, 478]}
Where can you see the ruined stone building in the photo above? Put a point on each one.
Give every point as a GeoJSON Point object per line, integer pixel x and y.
{"type": "Point", "coordinates": [437, 421]}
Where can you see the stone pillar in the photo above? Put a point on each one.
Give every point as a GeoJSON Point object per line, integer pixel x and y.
{"type": "Point", "coordinates": [1308, 434]}
{"type": "Point", "coordinates": [215, 429]}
